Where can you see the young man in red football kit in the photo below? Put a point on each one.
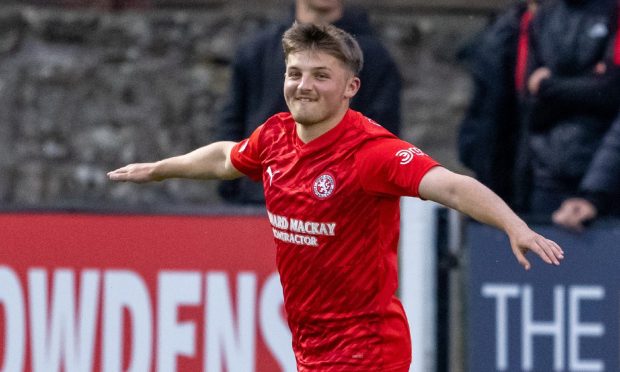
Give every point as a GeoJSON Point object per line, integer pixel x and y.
{"type": "Point", "coordinates": [332, 180]}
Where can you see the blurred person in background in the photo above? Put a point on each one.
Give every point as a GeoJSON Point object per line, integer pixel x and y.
{"type": "Point", "coordinates": [258, 73]}
{"type": "Point", "coordinates": [599, 190]}
{"type": "Point", "coordinates": [490, 134]}
{"type": "Point", "coordinates": [574, 95]}
{"type": "Point", "coordinates": [333, 180]}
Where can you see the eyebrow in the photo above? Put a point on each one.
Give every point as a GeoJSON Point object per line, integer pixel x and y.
{"type": "Point", "coordinates": [312, 69]}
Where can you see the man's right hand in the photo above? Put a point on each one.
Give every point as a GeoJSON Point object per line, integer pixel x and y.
{"type": "Point", "coordinates": [138, 173]}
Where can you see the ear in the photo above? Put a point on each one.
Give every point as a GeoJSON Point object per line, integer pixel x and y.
{"type": "Point", "coordinates": [353, 85]}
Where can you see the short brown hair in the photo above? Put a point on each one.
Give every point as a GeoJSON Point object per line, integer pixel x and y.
{"type": "Point", "coordinates": [325, 38]}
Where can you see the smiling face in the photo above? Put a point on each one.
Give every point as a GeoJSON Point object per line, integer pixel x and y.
{"type": "Point", "coordinates": [318, 88]}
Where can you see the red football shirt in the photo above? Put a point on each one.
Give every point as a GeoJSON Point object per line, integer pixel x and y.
{"type": "Point", "coordinates": [333, 204]}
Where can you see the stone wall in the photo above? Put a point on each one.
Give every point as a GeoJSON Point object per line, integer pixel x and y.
{"type": "Point", "coordinates": [85, 91]}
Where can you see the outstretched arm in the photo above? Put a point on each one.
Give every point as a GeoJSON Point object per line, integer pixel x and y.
{"type": "Point", "coordinates": [208, 162]}
{"type": "Point", "coordinates": [469, 196]}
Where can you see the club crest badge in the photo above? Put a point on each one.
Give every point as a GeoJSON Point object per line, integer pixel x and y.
{"type": "Point", "coordinates": [324, 186]}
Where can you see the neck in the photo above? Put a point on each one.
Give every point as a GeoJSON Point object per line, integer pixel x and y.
{"type": "Point", "coordinates": [307, 14]}
{"type": "Point", "coordinates": [307, 133]}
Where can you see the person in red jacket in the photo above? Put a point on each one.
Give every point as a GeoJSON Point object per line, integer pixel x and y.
{"type": "Point", "coordinates": [574, 95]}
{"type": "Point", "coordinates": [491, 136]}
{"type": "Point", "coordinates": [333, 179]}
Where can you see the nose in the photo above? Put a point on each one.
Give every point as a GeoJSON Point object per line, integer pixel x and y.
{"type": "Point", "coordinates": [305, 83]}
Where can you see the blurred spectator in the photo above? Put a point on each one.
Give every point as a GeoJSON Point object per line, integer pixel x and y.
{"type": "Point", "coordinates": [574, 89]}
{"type": "Point", "coordinates": [599, 190]}
{"type": "Point", "coordinates": [490, 132]}
{"type": "Point", "coordinates": [258, 74]}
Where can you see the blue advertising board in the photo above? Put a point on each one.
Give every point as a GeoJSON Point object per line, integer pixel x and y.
{"type": "Point", "coordinates": [550, 318]}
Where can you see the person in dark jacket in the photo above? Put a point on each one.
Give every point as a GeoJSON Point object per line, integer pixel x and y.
{"type": "Point", "coordinates": [258, 74]}
{"type": "Point", "coordinates": [490, 132]}
{"type": "Point", "coordinates": [599, 190]}
{"type": "Point", "coordinates": [574, 91]}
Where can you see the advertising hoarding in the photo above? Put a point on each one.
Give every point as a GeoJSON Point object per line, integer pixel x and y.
{"type": "Point", "coordinates": [564, 318]}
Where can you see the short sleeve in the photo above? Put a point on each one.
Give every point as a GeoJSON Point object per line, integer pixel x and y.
{"type": "Point", "coordinates": [392, 167]}
{"type": "Point", "coordinates": [245, 156]}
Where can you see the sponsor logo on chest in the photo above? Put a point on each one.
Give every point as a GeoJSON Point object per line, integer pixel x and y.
{"type": "Point", "coordinates": [298, 231]}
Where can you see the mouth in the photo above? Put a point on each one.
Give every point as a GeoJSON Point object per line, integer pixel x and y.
{"type": "Point", "coordinates": [305, 99]}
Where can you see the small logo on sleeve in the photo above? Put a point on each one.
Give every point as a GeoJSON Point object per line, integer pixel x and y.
{"type": "Point", "coordinates": [324, 186]}
{"type": "Point", "coordinates": [407, 155]}
{"type": "Point", "coordinates": [244, 145]}
{"type": "Point", "coordinates": [373, 122]}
